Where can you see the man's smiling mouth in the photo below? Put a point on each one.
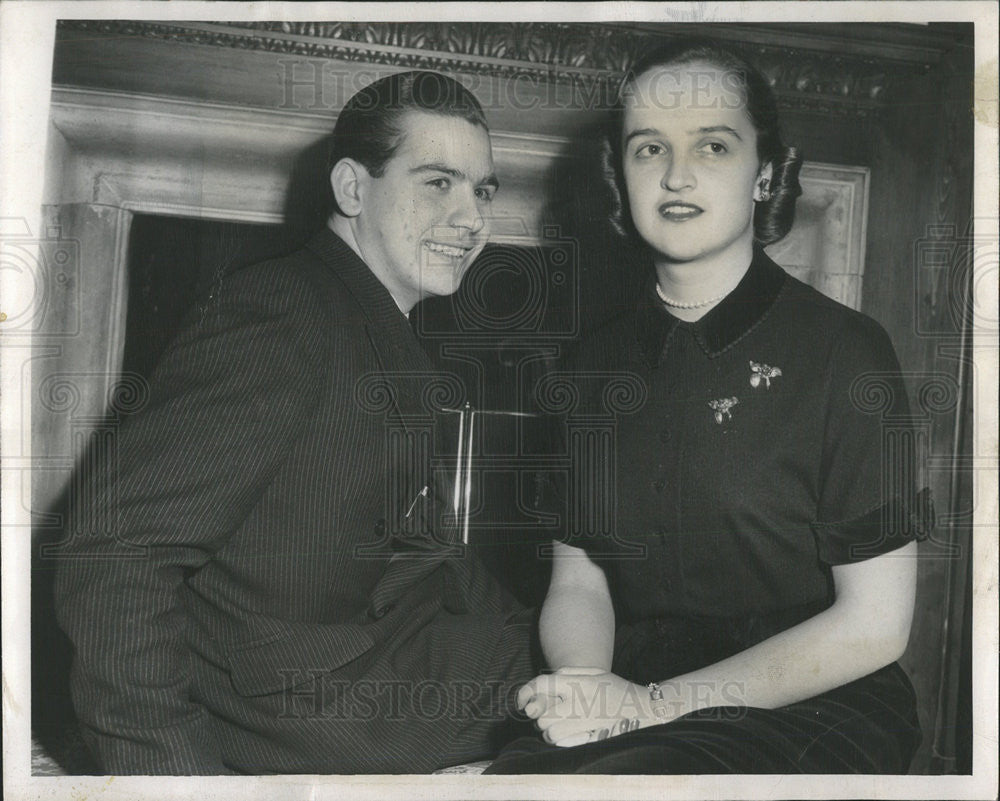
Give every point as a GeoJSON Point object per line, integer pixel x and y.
{"type": "Point", "coordinates": [447, 250]}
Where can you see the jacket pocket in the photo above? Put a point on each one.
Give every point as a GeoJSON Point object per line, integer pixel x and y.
{"type": "Point", "coordinates": [294, 653]}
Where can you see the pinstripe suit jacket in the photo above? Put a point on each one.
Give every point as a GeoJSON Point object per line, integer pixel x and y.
{"type": "Point", "coordinates": [237, 589]}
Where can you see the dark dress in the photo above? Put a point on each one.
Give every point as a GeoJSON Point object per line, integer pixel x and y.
{"type": "Point", "coordinates": [752, 450]}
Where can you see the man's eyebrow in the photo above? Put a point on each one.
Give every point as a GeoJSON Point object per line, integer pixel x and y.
{"type": "Point", "coordinates": [491, 180]}
{"type": "Point", "coordinates": [436, 167]}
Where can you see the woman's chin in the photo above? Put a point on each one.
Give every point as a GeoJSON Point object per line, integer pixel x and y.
{"type": "Point", "coordinates": [677, 255]}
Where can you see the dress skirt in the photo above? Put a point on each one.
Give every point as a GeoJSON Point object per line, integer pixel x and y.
{"type": "Point", "coordinates": [868, 726]}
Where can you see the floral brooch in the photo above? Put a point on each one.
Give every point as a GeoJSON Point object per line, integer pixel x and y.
{"type": "Point", "coordinates": [760, 371]}
{"type": "Point", "coordinates": [722, 408]}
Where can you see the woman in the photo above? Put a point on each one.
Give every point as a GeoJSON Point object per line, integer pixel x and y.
{"type": "Point", "coordinates": [747, 615]}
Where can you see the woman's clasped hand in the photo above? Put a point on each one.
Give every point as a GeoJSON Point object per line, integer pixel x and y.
{"type": "Point", "coordinates": [573, 706]}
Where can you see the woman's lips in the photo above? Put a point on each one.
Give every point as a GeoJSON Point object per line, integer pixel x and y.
{"type": "Point", "coordinates": [675, 211]}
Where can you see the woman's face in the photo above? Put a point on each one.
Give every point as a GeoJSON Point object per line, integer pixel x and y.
{"type": "Point", "coordinates": [689, 158]}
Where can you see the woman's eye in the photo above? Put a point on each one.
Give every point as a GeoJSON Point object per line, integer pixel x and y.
{"type": "Point", "coordinates": [650, 150]}
{"type": "Point", "coordinates": [714, 148]}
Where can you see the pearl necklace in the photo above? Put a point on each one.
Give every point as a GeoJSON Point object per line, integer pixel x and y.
{"type": "Point", "coordinates": [680, 305]}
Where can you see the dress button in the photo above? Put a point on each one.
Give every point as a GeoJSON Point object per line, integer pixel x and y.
{"type": "Point", "coordinates": [658, 485]}
{"type": "Point", "coordinates": [664, 437]}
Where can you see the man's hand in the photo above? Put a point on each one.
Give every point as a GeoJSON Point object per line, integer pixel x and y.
{"type": "Point", "coordinates": [578, 705]}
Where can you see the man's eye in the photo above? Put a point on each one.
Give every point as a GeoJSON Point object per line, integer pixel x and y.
{"type": "Point", "coordinates": [485, 193]}
{"type": "Point", "coordinates": [439, 183]}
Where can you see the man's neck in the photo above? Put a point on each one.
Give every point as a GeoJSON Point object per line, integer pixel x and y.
{"type": "Point", "coordinates": [342, 227]}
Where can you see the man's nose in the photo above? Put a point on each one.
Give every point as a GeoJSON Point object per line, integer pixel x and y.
{"type": "Point", "coordinates": [678, 174]}
{"type": "Point", "coordinates": [467, 212]}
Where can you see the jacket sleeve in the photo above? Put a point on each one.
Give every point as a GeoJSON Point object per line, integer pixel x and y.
{"type": "Point", "coordinates": [228, 399]}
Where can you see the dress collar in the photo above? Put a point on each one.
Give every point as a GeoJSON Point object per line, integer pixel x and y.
{"type": "Point", "coordinates": [725, 325]}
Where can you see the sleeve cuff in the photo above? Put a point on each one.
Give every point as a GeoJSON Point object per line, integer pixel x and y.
{"type": "Point", "coordinates": [183, 749]}
{"type": "Point", "coordinates": [885, 528]}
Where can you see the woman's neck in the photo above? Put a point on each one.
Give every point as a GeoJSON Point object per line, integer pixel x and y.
{"type": "Point", "coordinates": [689, 290]}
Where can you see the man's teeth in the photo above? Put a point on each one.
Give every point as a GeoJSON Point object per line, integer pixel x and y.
{"type": "Point", "coordinates": [447, 250]}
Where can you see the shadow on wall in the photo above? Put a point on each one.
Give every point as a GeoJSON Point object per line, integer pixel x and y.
{"type": "Point", "coordinates": [612, 270]}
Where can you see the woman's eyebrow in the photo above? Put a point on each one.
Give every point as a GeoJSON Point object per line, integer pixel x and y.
{"type": "Point", "coordinates": [717, 129]}
{"type": "Point", "coordinates": [641, 132]}
{"type": "Point", "coordinates": [707, 129]}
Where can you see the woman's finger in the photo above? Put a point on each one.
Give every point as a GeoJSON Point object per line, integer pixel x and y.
{"type": "Point", "coordinates": [537, 706]}
{"type": "Point", "coordinates": [543, 684]}
{"type": "Point", "coordinates": [527, 692]}
{"type": "Point", "coordinates": [567, 729]}
{"type": "Point", "coordinates": [538, 687]}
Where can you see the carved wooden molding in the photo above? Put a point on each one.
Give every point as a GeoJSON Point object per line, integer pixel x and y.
{"type": "Point", "coordinates": [195, 159]}
{"type": "Point", "coordinates": [159, 155]}
{"type": "Point", "coordinates": [813, 74]}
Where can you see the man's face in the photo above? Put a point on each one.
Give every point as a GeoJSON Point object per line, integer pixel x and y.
{"type": "Point", "coordinates": [424, 221]}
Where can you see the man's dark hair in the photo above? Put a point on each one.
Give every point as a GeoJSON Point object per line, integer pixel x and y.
{"type": "Point", "coordinates": [772, 218]}
{"type": "Point", "coordinates": [369, 128]}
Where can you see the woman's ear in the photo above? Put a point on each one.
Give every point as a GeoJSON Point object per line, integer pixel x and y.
{"type": "Point", "coordinates": [347, 179]}
{"type": "Point", "coordinates": [762, 186]}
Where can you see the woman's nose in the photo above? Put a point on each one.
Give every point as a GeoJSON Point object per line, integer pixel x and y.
{"type": "Point", "coordinates": [678, 175]}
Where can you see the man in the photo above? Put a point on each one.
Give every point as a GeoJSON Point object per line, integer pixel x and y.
{"type": "Point", "coordinates": [261, 581]}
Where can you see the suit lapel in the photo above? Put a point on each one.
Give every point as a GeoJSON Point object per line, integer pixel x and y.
{"type": "Point", "coordinates": [402, 362]}
{"type": "Point", "coordinates": [405, 369]}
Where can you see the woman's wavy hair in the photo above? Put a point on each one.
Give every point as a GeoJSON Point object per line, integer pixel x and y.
{"type": "Point", "coordinates": [773, 218]}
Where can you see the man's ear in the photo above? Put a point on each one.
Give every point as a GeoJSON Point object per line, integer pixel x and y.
{"type": "Point", "coordinates": [349, 178]}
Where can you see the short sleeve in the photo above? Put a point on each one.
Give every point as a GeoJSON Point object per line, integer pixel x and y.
{"type": "Point", "coordinates": [868, 504]}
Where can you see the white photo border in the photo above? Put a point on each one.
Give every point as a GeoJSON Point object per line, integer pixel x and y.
{"type": "Point", "coordinates": [27, 30]}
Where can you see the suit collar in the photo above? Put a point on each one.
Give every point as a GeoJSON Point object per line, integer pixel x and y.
{"type": "Point", "coordinates": [374, 299]}
{"type": "Point", "coordinates": [403, 364]}
{"type": "Point", "coordinates": [725, 325]}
